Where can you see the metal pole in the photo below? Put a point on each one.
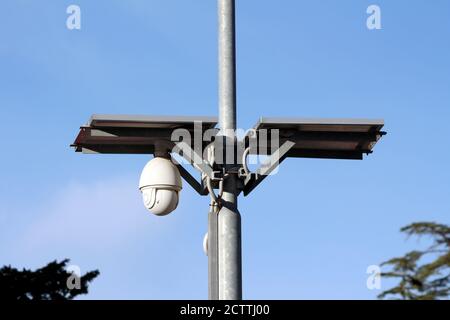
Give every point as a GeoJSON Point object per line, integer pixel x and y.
{"type": "Point", "coordinates": [213, 267]}
{"type": "Point", "coordinates": [227, 65]}
{"type": "Point", "coordinates": [229, 219]}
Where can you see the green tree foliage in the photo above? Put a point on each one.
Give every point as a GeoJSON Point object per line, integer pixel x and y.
{"type": "Point", "coordinates": [423, 275]}
{"type": "Point", "coordinates": [47, 283]}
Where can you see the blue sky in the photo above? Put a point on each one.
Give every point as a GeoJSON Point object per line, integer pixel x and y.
{"type": "Point", "coordinates": [309, 232]}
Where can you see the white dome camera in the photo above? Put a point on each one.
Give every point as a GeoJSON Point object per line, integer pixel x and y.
{"type": "Point", "coordinates": [160, 185]}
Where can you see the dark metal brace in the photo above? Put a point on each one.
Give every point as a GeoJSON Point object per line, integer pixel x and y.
{"type": "Point", "coordinates": [197, 186]}
{"type": "Point", "coordinates": [254, 179]}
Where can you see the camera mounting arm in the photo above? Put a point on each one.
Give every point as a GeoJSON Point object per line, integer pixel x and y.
{"type": "Point", "coordinates": [192, 157]}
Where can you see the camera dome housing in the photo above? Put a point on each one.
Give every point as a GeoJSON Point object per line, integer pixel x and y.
{"type": "Point", "coordinates": [160, 184]}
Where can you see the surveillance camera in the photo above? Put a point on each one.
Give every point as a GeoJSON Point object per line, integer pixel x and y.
{"type": "Point", "coordinates": [160, 185]}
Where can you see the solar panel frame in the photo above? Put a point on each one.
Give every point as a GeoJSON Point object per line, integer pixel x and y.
{"type": "Point", "coordinates": [146, 121]}
{"type": "Point", "coordinates": [324, 138]}
{"type": "Point", "coordinates": [135, 134]}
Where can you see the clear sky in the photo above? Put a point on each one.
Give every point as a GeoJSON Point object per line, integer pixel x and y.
{"type": "Point", "coordinates": [310, 231]}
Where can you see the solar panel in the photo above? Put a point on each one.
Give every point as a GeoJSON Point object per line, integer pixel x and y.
{"type": "Point", "coordinates": [311, 138]}
{"type": "Point", "coordinates": [134, 134]}
{"type": "Point", "coordinates": [145, 121]}
{"type": "Point", "coordinates": [324, 138]}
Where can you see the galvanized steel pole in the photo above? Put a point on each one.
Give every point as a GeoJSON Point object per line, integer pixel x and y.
{"type": "Point", "coordinates": [227, 65]}
{"type": "Point", "coordinates": [229, 277]}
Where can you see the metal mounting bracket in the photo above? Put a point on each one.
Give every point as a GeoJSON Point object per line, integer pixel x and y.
{"type": "Point", "coordinates": [254, 179]}
{"type": "Point", "coordinates": [185, 151]}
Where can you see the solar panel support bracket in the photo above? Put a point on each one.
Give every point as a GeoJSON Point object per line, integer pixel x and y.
{"type": "Point", "coordinates": [254, 179]}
